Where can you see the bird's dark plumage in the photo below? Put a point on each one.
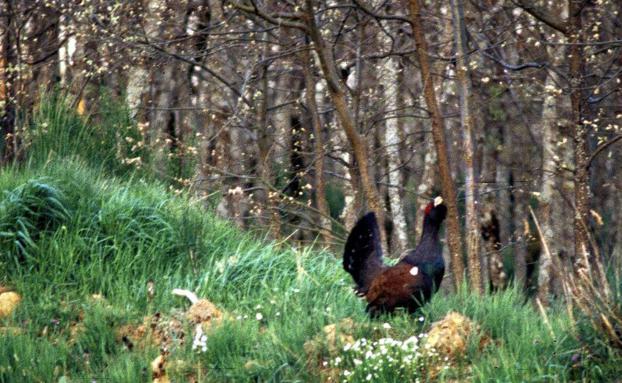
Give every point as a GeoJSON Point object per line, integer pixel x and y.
{"type": "Point", "coordinates": [362, 257]}
{"type": "Point", "coordinates": [412, 281]}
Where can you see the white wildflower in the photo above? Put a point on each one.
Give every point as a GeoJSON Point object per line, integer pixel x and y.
{"type": "Point", "coordinates": [200, 339]}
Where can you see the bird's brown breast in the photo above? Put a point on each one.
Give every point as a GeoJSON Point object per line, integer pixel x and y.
{"type": "Point", "coordinates": [396, 284]}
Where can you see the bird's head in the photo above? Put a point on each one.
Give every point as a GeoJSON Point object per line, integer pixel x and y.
{"type": "Point", "coordinates": [436, 210]}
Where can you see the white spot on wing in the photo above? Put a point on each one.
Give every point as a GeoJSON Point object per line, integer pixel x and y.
{"type": "Point", "coordinates": [414, 270]}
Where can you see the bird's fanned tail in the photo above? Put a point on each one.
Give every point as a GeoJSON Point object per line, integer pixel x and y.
{"type": "Point", "coordinates": [363, 252]}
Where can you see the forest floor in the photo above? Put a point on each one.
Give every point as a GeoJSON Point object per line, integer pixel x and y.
{"type": "Point", "coordinates": [95, 260]}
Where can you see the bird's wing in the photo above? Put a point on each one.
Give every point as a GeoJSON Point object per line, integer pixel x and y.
{"type": "Point", "coordinates": [402, 285]}
{"type": "Point", "coordinates": [362, 257]}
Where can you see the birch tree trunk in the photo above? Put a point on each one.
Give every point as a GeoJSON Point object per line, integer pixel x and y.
{"type": "Point", "coordinates": [264, 160]}
{"type": "Point", "coordinates": [548, 184]}
{"type": "Point", "coordinates": [550, 159]}
{"type": "Point", "coordinates": [281, 119]}
{"type": "Point", "coordinates": [392, 142]}
{"type": "Point", "coordinates": [63, 50]}
{"type": "Point", "coordinates": [466, 120]}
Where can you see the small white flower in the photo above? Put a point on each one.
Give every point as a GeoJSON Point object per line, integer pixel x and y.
{"type": "Point", "coordinates": [386, 326]}
{"type": "Point", "coordinates": [258, 316]}
{"type": "Point", "coordinates": [421, 319]}
{"type": "Point", "coordinates": [200, 339]}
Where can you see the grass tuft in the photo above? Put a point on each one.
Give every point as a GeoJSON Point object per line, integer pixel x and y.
{"type": "Point", "coordinates": [27, 212]}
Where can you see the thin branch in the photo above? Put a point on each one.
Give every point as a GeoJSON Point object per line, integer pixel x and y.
{"type": "Point", "coordinates": [543, 15]}
{"type": "Point", "coordinates": [368, 10]}
{"type": "Point", "coordinates": [600, 148]}
{"type": "Point", "coordinates": [513, 67]}
{"type": "Point", "coordinates": [280, 19]}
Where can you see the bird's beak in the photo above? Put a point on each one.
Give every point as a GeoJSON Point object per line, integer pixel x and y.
{"type": "Point", "coordinates": [438, 200]}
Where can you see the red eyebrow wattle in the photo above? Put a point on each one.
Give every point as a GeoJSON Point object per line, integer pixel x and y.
{"type": "Point", "coordinates": [428, 208]}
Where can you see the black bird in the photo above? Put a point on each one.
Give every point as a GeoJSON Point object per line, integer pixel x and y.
{"type": "Point", "coordinates": [412, 281]}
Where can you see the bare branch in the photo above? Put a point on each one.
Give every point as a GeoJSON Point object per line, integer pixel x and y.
{"type": "Point", "coordinates": [281, 19]}
{"type": "Point", "coordinates": [543, 15]}
{"type": "Point", "coordinates": [602, 147]}
{"type": "Point", "coordinates": [368, 10]}
{"type": "Point", "coordinates": [513, 67]}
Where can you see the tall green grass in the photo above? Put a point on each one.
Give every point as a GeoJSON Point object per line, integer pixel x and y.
{"type": "Point", "coordinates": [103, 139]}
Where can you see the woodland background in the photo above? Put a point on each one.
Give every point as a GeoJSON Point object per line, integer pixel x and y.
{"type": "Point", "coordinates": [295, 117]}
{"type": "Point", "coordinates": [227, 147]}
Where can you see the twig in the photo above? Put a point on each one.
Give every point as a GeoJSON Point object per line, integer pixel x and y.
{"type": "Point", "coordinates": [600, 148]}
{"type": "Point", "coordinates": [192, 297]}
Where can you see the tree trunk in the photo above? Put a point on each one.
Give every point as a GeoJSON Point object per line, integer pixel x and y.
{"type": "Point", "coordinates": [580, 130]}
{"type": "Point", "coordinates": [466, 120]}
{"type": "Point", "coordinates": [392, 142]}
{"type": "Point", "coordinates": [429, 179]}
{"type": "Point", "coordinates": [318, 147]}
{"type": "Point", "coordinates": [281, 119]}
{"type": "Point", "coordinates": [337, 94]}
{"type": "Point", "coordinates": [263, 202]}
{"type": "Point", "coordinates": [8, 60]}
{"type": "Point", "coordinates": [438, 132]}
{"type": "Point", "coordinates": [550, 136]}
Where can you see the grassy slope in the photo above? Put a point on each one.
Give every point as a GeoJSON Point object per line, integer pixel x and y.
{"type": "Point", "coordinates": [111, 237]}
{"type": "Point", "coordinates": [68, 230]}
